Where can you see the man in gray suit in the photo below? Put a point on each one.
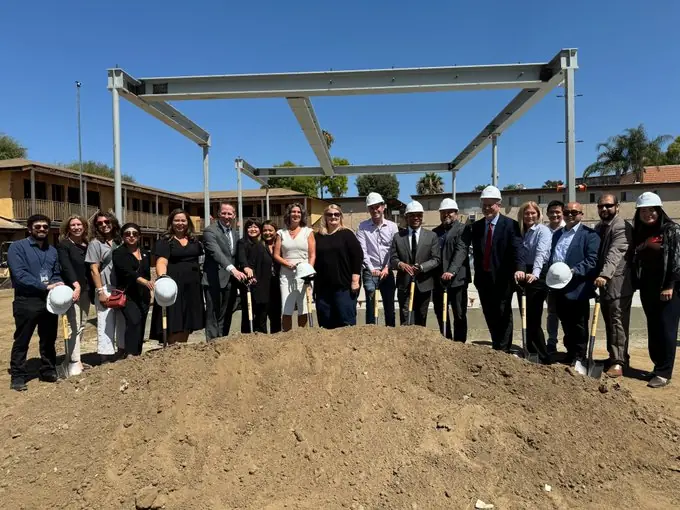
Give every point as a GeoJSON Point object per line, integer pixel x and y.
{"type": "Point", "coordinates": [220, 276]}
{"type": "Point", "coordinates": [614, 280]}
{"type": "Point", "coordinates": [415, 255]}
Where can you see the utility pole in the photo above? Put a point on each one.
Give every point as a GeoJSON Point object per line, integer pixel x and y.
{"type": "Point", "coordinates": [83, 205]}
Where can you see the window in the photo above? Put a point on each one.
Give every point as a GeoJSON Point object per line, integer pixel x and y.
{"type": "Point", "coordinates": [275, 209]}
{"type": "Point", "coordinates": [146, 206]}
{"type": "Point", "coordinates": [40, 189]}
{"type": "Point", "coordinates": [514, 201]}
{"type": "Point", "coordinates": [136, 204]}
{"type": "Point", "coordinates": [539, 199]}
{"type": "Point", "coordinates": [58, 192]}
{"type": "Point", "coordinates": [73, 195]}
{"type": "Point", "coordinates": [592, 198]}
{"type": "Point", "coordinates": [248, 210]}
{"type": "Point", "coordinates": [160, 208]}
{"type": "Point", "coordinates": [93, 198]}
{"type": "Point", "coordinates": [624, 196]}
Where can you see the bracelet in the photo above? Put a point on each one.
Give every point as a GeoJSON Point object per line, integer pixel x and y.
{"type": "Point", "coordinates": [100, 289]}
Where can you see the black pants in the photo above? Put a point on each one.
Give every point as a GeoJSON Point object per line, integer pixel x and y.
{"type": "Point", "coordinates": [536, 294]}
{"type": "Point", "coordinates": [421, 303]}
{"type": "Point", "coordinates": [274, 306]}
{"type": "Point", "coordinates": [662, 329]}
{"type": "Point", "coordinates": [457, 301]}
{"type": "Point", "coordinates": [220, 305]}
{"type": "Point", "coordinates": [496, 301]}
{"type": "Point", "coordinates": [29, 313]}
{"type": "Point", "coordinates": [135, 313]}
{"type": "Point", "coordinates": [574, 315]}
{"type": "Point", "coordinates": [336, 308]}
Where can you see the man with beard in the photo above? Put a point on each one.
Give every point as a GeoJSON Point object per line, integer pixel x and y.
{"type": "Point", "coordinates": [556, 222]}
{"type": "Point", "coordinates": [614, 280]}
{"type": "Point", "coordinates": [34, 269]}
{"type": "Point", "coordinates": [455, 271]}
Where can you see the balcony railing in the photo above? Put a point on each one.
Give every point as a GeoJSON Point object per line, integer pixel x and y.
{"type": "Point", "coordinates": [56, 211]}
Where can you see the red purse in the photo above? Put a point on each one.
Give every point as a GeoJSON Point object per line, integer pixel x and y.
{"type": "Point", "coordinates": [116, 300]}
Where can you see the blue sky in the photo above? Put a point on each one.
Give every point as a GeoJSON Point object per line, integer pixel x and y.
{"type": "Point", "coordinates": [628, 75]}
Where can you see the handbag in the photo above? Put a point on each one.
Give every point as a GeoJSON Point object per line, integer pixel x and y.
{"type": "Point", "coordinates": [117, 299]}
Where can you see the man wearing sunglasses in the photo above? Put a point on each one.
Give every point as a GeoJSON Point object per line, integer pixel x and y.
{"type": "Point", "coordinates": [614, 280]}
{"type": "Point", "coordinates": [577, 246]}
{"type": "Point", "coordinates": [34, 269]}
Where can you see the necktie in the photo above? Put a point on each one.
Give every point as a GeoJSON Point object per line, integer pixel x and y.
{"type": "Point", "coordinates": [229, 243]}
{"type": "Point", "coordinates": [487, 248]}
{"type": "Point", "coordinates": [414, 246]}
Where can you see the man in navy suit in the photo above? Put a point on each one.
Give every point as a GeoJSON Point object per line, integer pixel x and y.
{"type": "Point", "coordinates": [577, 246]}
{"type": "Point", "coordinates": [497, 250]}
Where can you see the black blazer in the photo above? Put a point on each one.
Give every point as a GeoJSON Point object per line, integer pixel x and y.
{"type": "Point", "coordinates": [256, 256]}
{"type": "Point", "coordinates": [507, 255]}
{"type": "Point", "coordinates": [455, 254]}
{"type": "Point", "coordinates": [427, 255]}
{"type": "Point", "coordinates": [73, 265]}
{"type": "Point", "coordinates": [128, 269]}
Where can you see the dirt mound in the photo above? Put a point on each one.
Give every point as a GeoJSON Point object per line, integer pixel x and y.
{"type": "Point", "coordinates": [356, 418]}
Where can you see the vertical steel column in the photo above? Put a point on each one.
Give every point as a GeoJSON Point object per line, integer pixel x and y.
{"type": "Point", "coordinates": [206, 187]}
{"type": "Point", "coordinates": [83, 196]}
{"type": "Point", "coordinates": [261, 215]}
{"type": "Point", "coordinates": [453, 183]}
{"type": "Point", "coordinates": [494, 159]}
{"type": "Point", "coordinates": [239, 193]}
{"type": "Point", "coordinates": [569, 133]}
{"type": "Point", "coordinates": [33, 191]}
{"type": "Point", "coordinates": [117, 174]}
{"type": "Point", "coordinates": [267, 200]}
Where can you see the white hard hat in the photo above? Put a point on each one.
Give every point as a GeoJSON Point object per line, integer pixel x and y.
{"type": "Point", "coordinates": [59, 299]}
{"type": "Point", "coordinates": [491, 192]}
{"type": "Point", "coordinates": [448, 204]}
{"type": "Point", "coordinates": [304, 270]}
{"type": "Point", "coordinates": [559, 275]}
{"type": "Point", "coordinates": [373, 199]}
{"type": "Point", "coordinates": [165, 291]}
{"type": "Point", "coordinates": [648, 199]}
{"type": "Point", "coordinates": [414, 207]}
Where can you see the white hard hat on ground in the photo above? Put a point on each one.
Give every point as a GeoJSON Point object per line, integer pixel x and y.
{"type": "Point", "coordinates": [448, 204]}
{"type": "Point", "coordinates": [414, 207]}
{"type": "Point", "coordinates": [559, 275]}
{"type": "Point", "coordinates": [59, 299]}
{"type": "Point", "coordinates": [648, 199]}
{"type": "Point", "coordinates": [374, 199]}
{"type": "Point", "coordinates": [165, 291]}
{"type": "Point", "coordinates": [491, 192]}
{"type": "Point", "coordinates": [304, 270]}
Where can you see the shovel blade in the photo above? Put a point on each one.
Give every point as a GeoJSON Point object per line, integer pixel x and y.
{"type": "Point", "coordinates": [595, 370]}
{"type": "Point", "coordinates": [62, 371]}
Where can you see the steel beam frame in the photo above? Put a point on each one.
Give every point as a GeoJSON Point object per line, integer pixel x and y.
{"type": "Point", "coordinates": [304, 113]}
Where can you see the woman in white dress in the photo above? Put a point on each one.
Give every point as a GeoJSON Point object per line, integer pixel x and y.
{"type": "Point", "coordinates": [294, 244]}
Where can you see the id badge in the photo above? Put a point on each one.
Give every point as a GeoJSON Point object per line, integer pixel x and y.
{"type": "Point", "coordinates": [44, 277]}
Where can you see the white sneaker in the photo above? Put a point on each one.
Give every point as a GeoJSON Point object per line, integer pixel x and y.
{"type": "Point", "coordinates": [75, 368]}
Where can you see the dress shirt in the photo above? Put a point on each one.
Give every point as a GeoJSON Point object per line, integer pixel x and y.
{"type": "Point", "coordinates": [410, 234]}
{"type": "Point", "coordinates": [229, 232]}
{"type": "Point", "coordinates": [553, 230]}
{"type": "Point", "coordinates": [562, 246]}
{"type": "Point", "coordinates": [27, 260]}
{"type": "Point", "coordinates": [494, 222]}
{"type": "Point", "coordinates": [537, 242]}
{"type": "Point", "coordinates": [375, 241]}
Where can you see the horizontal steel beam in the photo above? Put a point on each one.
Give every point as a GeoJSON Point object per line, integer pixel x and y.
{"type": "Point", "coordinates": [166, 113]}
{"type": "Point", "coordinates": [309, 171]}
{"type": "Point", "coordinates": [251, 171]}
{"type": "Point", "coordinates": [519, 105]}
{"type": "Point", "coordinates": [304, 113]}
{"type": "Point", "coordinates": [344, 83]}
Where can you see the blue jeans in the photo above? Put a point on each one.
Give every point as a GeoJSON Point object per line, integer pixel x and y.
{"type": "Point", "coordinates": [387, 286]}
{"type": "Point", "coordinates": [336, 308]}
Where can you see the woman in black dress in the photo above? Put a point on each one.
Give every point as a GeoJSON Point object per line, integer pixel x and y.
{"type": "Point", "coordinates": [269, 230]}
{"type": "Point", "coordinates": [177, 255]}
{"type": "Point", "coordinates": [132, 267]}
{"type": "Point", "coordinates": [255, 260]}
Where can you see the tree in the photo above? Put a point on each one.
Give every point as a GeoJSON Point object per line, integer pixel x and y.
{"type": "Point", "coordinates": [519, 185]}
{"type": "Point", "coordinates": [96, 168]}
{"type": "Point", "coordinates": [306, 185]}
{"type": "Point", "coordinates": [480, 187]}
{"type": "Point", "coordinates": [385, 184]}
{"type": "Point", "coordinates": [552, 184]}
{"type": "Point", "coordinates": [336, 185]}
{"type": "Point", "coordinates": [627, 153]}
{"type": "Point", "coordinates": [673, 152]}
{"type": "Point", "coordinates": [11, 148]}
{"type": "Point", "coordinates": [430, 184]}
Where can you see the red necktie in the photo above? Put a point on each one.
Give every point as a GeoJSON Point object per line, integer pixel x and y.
{"type": "Point", "coordinates": [487, 248]}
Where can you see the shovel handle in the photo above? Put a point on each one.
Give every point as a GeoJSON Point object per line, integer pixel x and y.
{"type": "Point", "coordinates": [250, 305]}
{"type": "Point", "coordinates": [524, 311]}
{"type": "Point", "coordinates": [596, 317]}
{"type": "Point", "coordinates": [309, 305]}
{"type": "Point", "coordinates": [375, 305]}
{"type": "Point", "coordinates": [165, 327]}
{"type": "Point", "coordinates": [445, 306]}
{"type": "Point", "coordinates": [411, 293]}
{"type": "Point", "coordinates": [64, 326]}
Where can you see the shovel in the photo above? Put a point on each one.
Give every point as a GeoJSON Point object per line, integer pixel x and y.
{"type": "Point", "coordinates": [63, 369]}
{"type": "Point", "coordinates": [591, 369]}
{"type": "Point", "coordinates": [445, 307]}
{"type": "Point", "coordinates": [411, 293]}
{"type": "Point", "coordinates": [165, 327]}
{"type": "Point", "coordinates": [309, 305]}
{"type": "Point", "coordinates": [375, 302]}
{"type": "Point", "coordinates": [249, 299]}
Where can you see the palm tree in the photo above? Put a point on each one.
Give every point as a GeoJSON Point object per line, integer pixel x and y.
{"type": "Point", "coordinates": [329, 138]}
{"type": "Point", "coordinates": [629, 152]}
{"type": "Point", "coordinates": [430, 184]}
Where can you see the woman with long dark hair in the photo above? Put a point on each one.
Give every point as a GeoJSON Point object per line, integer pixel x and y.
{"type": "Point", "coordinates": [255, 260]}
{"type": "Point", "coordinates": [132, 267]}
{"type": "Point", "coordinates": [178, 253]}
{"type": "Point", "coordinates": [75, 273]}
{"type": "Point", "coordinates": [294, 244]}
{"type": "Point", "coordinates": [274, 306]}
{"type": "Point", "coordinates": [105, 232]}
{"type": "Point", "coordinates": [657, 268]}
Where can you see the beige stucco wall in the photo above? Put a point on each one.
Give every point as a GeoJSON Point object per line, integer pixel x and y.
{"type": "Point", "coordinates": [6, 210]}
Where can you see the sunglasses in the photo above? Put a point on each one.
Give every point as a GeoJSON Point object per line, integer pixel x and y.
{"type": "Point", "coordinates": [40, 227]}
{"type": "Point", "coordinates": [131, 233]}
{"type": "Point", "coordinates": [103, 223]}
{"type": "Point", "coordinates": [333, 215]}
{"type": "Point", "coordinates": [573, 212]}
{"type": "Point", "coordinates": [605, 206]}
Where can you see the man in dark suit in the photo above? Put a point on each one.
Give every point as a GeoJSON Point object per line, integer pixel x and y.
{"type": "Point", "coordinates": [615, 279]}
{"type": "Point", "coordinates": [220, 276]}
{"type": "Point", "coordinates": [497, 250]}
{"type": "Point", "coordinates": [415, 255]}
{"type": "Point", "coordinates": [577, 246]}
{"type": "Point", "coordinates": [454, 271]}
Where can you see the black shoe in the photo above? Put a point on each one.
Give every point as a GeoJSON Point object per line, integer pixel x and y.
{"type": "Point", "coordinates": [552, 349]}
{"type": "Point", "coordinates": [49, 376]}
{"type": "Point", "coordinates": [18, 384]}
